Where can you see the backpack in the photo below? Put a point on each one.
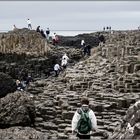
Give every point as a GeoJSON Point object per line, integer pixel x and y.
{"type": "Point", "coordinates": [84, 124]}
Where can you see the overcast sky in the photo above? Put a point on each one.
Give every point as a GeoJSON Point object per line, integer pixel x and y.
{"type": "Point", "coordinates": [70, 15]}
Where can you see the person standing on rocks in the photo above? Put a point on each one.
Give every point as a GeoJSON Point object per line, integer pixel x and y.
{"type": "Point", "coordinates": [101, 39]}
{"type": "Point", "coordinates": [29, 24]}
{"type": "Point", "coordinates": [48, 33]}
{"type": "Point", "coordinates": [56, 69]}
{"type": "Point", "coordinates": [84, 120]}
{"type": "Point", "coordinates": [38, 29]}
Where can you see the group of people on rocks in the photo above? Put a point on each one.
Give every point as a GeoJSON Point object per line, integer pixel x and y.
{"type": "Point", "coordinates": [64, 63]}
{"type": "Point", "coordinates": [108, 28]}
{"type": "Point", "coordinates": [23, 85]}
{"type": "Point", "coordinates": [43, 33]}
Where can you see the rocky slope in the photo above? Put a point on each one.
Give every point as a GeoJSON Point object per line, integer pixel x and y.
{"type": "Point", "coordinates": [110, 77]}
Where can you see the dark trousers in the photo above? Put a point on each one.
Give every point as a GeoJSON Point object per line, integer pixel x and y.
{"type": "Point", "coordinates": [56, 73]}
{"type": "Point", "coordinates": [83, 136]}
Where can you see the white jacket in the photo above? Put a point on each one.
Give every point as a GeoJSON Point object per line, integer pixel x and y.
{"type": "Point", "coordinates": [65, 57]}
{"type": "Point", "coordinates": [56, 67]}
{"type": "Point", "coordinates": [77, 116]}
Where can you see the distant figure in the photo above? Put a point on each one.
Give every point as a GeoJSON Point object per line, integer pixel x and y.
{"type": "Point", "coordinates": [102, 40]}
{"type": "Point", "coordinates": [84, 120]}
{"type": "Point", "coordinates": [85, 49]}
{"type": "Point", "coordinates": [48, 33]}
{"type": "Point", "coordinates": [29, 24]}
{"type": "Point", "coordinates": [56, 69]}
{"type": "Point", "coordinates": [64, 61]}
{"type": "Point", "coordinates": [107, 28]}
{"type": "Point", "coordinates": [19, 85]}
{"type": "Point", "coordinates": [14, 27]}
{"type": "Point", "coordinates": [55, 39]}
{"type": "Point", "coordinates": [103, 28]}
{"type": "Point", "coordinates": [42, 33]}
{"type": "Point", "coordinates": [38, 29]}
{"type": "Point", "coordinates": [88, 47]}
{"type": "Point", "coordinates": [82, 43]}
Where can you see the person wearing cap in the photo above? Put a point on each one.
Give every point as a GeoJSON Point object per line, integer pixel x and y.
{"type": "Point", "coordinates": [77, 116]}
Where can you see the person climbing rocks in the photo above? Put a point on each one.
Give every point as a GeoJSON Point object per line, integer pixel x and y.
{"type": "Point", "coordinates": [19, 85]}
{"type": "Point", "coordinates": [64, 61]}
{"type": "Point", "coordinates": [56, 69]}
{"type": "Point", "coordinates": [29, 24]}
{"type": "Point", "coordinates": [84, 120]}
{"type": "Point", "coordinates": [88, 49]}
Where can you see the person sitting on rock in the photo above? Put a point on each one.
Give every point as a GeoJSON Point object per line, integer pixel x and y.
{"type": "Point", "coordinates": [19, 85]}
{"type": "Point", "coordinates": [84, 120]}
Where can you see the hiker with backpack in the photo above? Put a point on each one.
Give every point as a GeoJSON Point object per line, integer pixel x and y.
{"type": "Point", "coordinates": [84, 120]}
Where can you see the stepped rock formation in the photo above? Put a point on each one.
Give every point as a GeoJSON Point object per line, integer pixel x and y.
{"type": "Point", "coordinates": [26, 51]}
{"type": "Point", "coordinates": [130, 127]}
{"type": "Point", "coordinates": [110, 78]}
{"type": "Point", "coordinates": [16, 109]}
{"type": "Point", "coordinates": [7, 84]}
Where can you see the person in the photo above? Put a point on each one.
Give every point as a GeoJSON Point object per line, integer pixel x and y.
{"type": "Point", "coordinates": [103, 28]}
{"type": "Point", "coordinates": [28, 80]}
{"type": "Point", "coordinates": [56, 69]}
{"type": "Point", "coordinates": [88, 49]}
{"type": "Point", "coordinates": [19, 85]}
{"type": "Point", "coordinates": [101, 39]}
{"type": "Point", "coordinates": [38, 29]}
{"type": "Point", "coordinates": [14, 27]}
{"type": "Point", "coordinates": [82, 43]}
{"type": "Point", "coordinates": [85, 49]}
{"type": "Point", "coordinates": [42, 33]}
{"type": "Point", "coordinates": [84, 120]}
{"type": "Point", "coordinates": [64, 61]}
{"type": "Point", "coordinates": [55, 39]}
{"type": "Point", "coordinates": [29, 24]}
{"type": "Point", "coordinates": [48, 33]}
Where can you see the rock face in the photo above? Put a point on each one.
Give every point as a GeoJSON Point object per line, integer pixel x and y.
{"type": "Point", "coordinates": [21, 133]}
{"type": "Point", "coordinates": [16, 109]}
{"type": "Point", "coordinates": [130, 127]}
{"type": "Point", "coordinates": [26, 51]}
{"type": "Point", "coordinates": [91, 39]}
{"type": "Point", "coordinates": [23, 41]}
{"type": "Point", "coordinates": [110, 78]}
{"type": "Point", "coordinates": [7, 84]}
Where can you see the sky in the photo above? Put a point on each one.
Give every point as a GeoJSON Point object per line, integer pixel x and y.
{"type": "Point", "coordinates": [70, 16]}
